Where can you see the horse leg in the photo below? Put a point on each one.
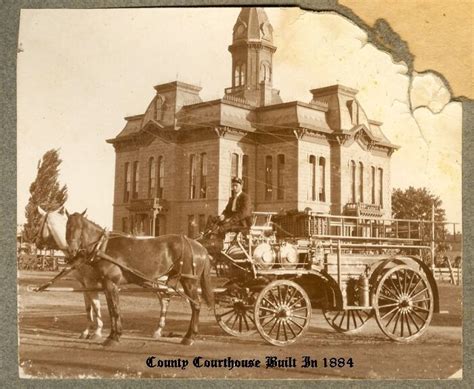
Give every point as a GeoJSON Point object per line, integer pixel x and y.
{"type": "Point", "coordinates": [97, 316]}
{"type": "Point", "coordinates": [111, 294]}
{"type": "Point", "coordinates": [89, 315]}
{"type": "Point", "coordinates": [190, 289]}
{"type": "Point", "coordinates": [164, 303]}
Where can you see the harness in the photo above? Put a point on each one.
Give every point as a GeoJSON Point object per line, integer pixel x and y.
{"type": "Point", "coordinates": [99, 252]}
{"type": "Point", "coordinates": [38, 238]}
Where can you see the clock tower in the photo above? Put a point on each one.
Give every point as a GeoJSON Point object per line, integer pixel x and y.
{"type": "Point", "coordinates": [252, 59]}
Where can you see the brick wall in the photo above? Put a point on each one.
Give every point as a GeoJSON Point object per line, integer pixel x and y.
{"type": "Point", "coordinates": [289, 176]}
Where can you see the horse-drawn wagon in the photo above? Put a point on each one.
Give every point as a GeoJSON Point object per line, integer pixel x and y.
{"type": "Point", "coordinates": [276, 272]}
{"type": "Point", "coordinates": [350, 267]}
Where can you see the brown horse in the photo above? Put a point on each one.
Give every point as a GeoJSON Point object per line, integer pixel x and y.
{"type": "Point", "coordinates": [120, 259]}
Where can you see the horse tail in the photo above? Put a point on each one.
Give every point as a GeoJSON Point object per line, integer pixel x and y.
{"type": "Point", "coordinates": [206, 287]}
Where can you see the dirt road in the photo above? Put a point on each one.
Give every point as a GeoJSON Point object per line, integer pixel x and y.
{"type": "Point", "coordinates": [50, 324]}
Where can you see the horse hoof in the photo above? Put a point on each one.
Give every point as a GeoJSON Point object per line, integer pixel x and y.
{"type": "Point", "coordinates": [95, 337]}
{"type": "Point", "coordinates": [157, 334]}
{"type": "Point", "coordinates": [187, 341]}
{"type": "Point", "coordinates": [110, 342]}
{"type": "Point", "coordinates": [84, 335]}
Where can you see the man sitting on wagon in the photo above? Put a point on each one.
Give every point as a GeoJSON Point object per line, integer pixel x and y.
{"type": "Point", "coordinates": [237, 214]}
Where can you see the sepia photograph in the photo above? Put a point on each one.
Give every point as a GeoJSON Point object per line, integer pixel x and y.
{"type": "Point", "coordinates": [235, 192]}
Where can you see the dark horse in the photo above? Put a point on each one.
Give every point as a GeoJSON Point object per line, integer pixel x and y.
{"type": "Point", "coordinates": [120, 259]}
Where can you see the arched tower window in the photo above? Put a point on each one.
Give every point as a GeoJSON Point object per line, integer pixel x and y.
{"type": "Point", "coordinates": [265, 72]}
{"type": "Point", "coordinates": [239, 74]}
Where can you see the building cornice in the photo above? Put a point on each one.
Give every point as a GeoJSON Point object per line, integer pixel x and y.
{"type": "Point", "coordinates": [171, 86]}
{"type": "Point", "coordinates": [338, 88]}
{"type": "Point", "coordinates": [257, 44]}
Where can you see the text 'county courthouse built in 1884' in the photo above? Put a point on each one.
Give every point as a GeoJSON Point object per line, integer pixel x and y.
{"type": "Point", "coordinates": [174, 163]}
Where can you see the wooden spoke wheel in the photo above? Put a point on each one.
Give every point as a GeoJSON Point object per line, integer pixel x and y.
{"type": "Point", "coordinates": [234, 312]}
{"type": "Point", "coordinates": [349, 320]}
{"type": "Point", "coordinates": [403, 303]}
{"type": "Point", "coordinates": [282, 312]}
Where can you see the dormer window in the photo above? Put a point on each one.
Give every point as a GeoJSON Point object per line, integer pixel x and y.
{"type": "Point", "coordinates": [353, 108]}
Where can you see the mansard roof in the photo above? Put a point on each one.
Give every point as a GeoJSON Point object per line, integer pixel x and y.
{"type": "Point", "coordinates": [333, 110]}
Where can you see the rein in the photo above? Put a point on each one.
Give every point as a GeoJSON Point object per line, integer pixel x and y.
{"type": "Point", "coordinates": [39, 234]}
{"type": "Point", "coordinates": [99, 252]}
{"type": "Point", "coordinates": [95, 245]}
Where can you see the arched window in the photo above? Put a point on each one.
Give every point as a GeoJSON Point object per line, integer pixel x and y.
{"type": "Point", "coordinates": [280, 177]}
{"type": "Point", "coordinates": [151, 177]}
{"type": "Point", "coordinates": [192, 176]}
{"type": "Point", "coordinates": [135, 180]}
{"type": "Point", "coordinates": [268, 177]}
{"type": "Point", "coordinates": [242, 74]}
{"type": "Point", "coordinates": [239, 74]}
{"type": "Point", "coordinates": [312, 174]}
{"type": "Point", "coordinates": [191, 226]}
{"type": "Point", "coordinates": [381, 187]}
{"type": "Point", "coordinates": [265, 72]}
{"type": "Point", "coordinates": [245, 173]}
{"type": "Point", "coordinates": [353, 182]}
{"type": "Point", "coordinates": [361, 182]}
{"type": "Point", "coordinates": [322, 179]}
{"type": "Point", "coordinates": [125, 225]}
{"type": "Point", "coordinates": [372, 175]}
{"type": "Point", "coordinates": [161, 178]}
{"type": "Point", "coordinates": [128, 183]}
{"type": "Point", "coordinates": [234, 166]}
{"type": "Point", "coordinates": [203, 177]}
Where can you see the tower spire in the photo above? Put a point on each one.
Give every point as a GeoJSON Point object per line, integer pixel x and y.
{"type": "Point", "coordinates": [252, 58]}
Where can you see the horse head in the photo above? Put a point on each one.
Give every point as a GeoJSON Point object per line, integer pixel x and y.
{"type": "Point", "coordinates": [52, 231]}
{"type": "Point", "coordinates": [75, 232]}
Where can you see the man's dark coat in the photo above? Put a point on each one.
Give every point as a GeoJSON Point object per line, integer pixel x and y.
{"type": "Point", "coordinates": [243, 213]}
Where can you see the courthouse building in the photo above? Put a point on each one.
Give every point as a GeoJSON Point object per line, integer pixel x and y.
{"type": "Point", "coordinates": [174, 162]}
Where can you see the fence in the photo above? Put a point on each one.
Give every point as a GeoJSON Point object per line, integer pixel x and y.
{"type": "Point", "coordinates": [451, 275]}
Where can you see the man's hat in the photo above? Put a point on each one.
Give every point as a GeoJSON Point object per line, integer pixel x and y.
{"type": "Point", "coordinates": [236, 180]}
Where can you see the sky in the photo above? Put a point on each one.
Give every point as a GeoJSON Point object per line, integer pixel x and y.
{"type": "Point", "coordinates": [82, 71]}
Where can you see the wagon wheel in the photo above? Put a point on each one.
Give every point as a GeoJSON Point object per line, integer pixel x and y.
{"type": "Point", "coordinates": [234, 312]}
{"type": "Point", "coordinates": [403, 303]}
{"type": "Point", "coordinates": [348, 321]}
{"type": "Point", "coordinates": [282, 312]}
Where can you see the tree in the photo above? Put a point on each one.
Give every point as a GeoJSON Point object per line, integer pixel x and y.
{"type": "Point", "coordinates": [416, 204]}
{"type": "Point", "coordinates": [45, 192]}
